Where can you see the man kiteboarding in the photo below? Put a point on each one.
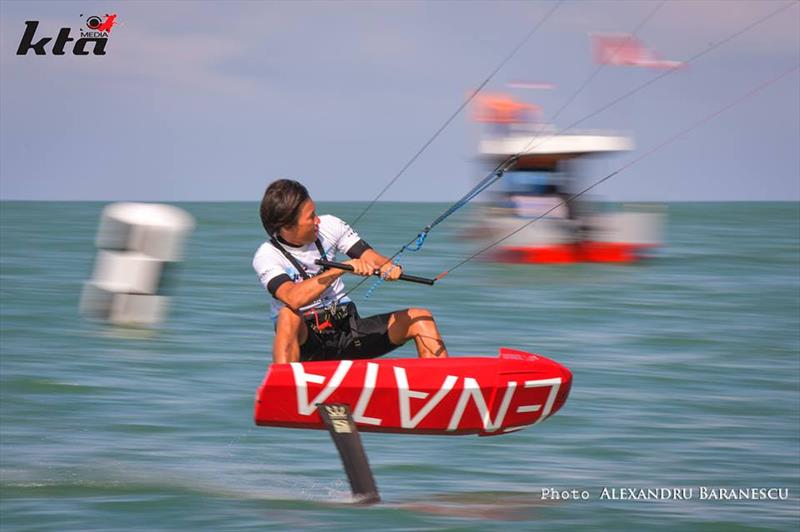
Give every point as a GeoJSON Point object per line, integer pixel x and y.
{"type": "Point", "coordinates": [314, 319]}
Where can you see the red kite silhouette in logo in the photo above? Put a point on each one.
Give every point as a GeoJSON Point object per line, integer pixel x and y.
{"type": "Point", "coordinates": [107, 24]}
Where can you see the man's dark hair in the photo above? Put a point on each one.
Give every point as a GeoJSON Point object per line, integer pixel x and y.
{"type": "Point", "coordinates": [280, 206]}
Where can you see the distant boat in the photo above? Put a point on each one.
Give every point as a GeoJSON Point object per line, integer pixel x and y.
{"type": "Point", "coordinates": [539, 185]}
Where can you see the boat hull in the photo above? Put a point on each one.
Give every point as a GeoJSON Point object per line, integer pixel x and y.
{"type": "Point", "coordinates": [618, 237]}
{"type": "Point", "coordinates": [608, 252]}
{"type": "Point", "coordinates": [454, 396]}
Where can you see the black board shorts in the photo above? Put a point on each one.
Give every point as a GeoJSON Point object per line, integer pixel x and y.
{"type": "Point", "coordinates": [353, 338]}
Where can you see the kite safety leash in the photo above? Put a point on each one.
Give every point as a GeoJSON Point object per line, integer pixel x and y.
{"type": "Point", "coordinates": [420, 240]}
{"type": "Point", "coordinates": [417, 243]}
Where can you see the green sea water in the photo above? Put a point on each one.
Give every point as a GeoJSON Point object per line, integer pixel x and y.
{"type": "Point", "coordinates": [686, 375]}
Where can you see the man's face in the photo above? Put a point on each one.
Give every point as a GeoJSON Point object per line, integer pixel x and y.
{"type": "Point", "coordinates": [307, 226]}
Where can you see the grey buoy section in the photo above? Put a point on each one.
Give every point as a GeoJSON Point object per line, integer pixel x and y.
{"type": "Point", "coordinates": [137, 243]}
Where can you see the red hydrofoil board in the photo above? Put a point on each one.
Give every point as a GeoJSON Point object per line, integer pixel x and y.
{"type": "Point", "coordinates": [460, 395]}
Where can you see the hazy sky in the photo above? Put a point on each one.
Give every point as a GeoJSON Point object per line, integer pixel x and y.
{"type": "Point", "coordinates": [213, 100]}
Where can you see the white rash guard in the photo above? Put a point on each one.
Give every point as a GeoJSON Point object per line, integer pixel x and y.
{"type": "Point", "coordinates": [274, 269]}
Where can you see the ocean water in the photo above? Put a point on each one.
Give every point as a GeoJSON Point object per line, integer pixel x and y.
{"type": "Point", "coordinates": [686, 376]}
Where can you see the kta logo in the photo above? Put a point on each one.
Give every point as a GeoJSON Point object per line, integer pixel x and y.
{"type": "Point", "coordinates": [97, 31]}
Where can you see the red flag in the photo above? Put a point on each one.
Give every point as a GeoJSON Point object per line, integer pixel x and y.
{"type": "Point", "coordinates": [626, 50]}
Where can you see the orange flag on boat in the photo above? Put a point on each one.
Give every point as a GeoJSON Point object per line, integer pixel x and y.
{"type": "Point", "coordinates": [499, 108]}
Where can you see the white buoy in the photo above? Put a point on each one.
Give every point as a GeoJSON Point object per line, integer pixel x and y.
{"type": "Point", "coordinates": [136, 242]}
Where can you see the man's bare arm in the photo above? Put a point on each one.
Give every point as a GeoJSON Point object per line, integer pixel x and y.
{"type": "Point", "coordinates": [297, 295]}
{"type": "Point", "coordinates": [379, 261]}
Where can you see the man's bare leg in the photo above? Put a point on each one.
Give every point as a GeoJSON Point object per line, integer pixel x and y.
{"type": "Point", "coordinates": [417, 323]}
{"type": "Point", "coordinates": [290, 334]}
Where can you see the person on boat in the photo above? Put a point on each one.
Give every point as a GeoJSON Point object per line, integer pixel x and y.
{"type": "Point", "coordinates": [314, 319]}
